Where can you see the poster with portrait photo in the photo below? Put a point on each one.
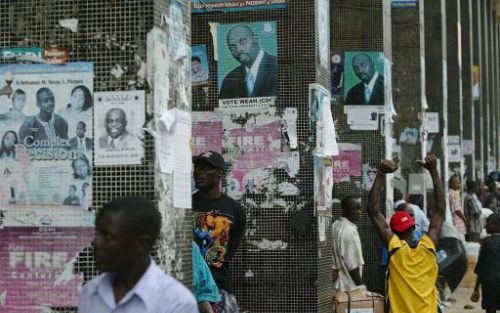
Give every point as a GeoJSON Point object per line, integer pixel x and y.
{"type": "Point", "coordinates": [119, 118]}
{"type": "Point", "coordinates": [337, 77]}
{"type": "Point", "coordinates": [408, 136]}
{"type": "Point", "coordinates": [369, 175]}
{"type": "Point", "coordinates": [247, 67]}
{"type": "Point", "coordinates": [46, 129]}
{"type": "Point", "coordinates": [199, 65]}
{"type": "Point", "coordinates": [364, 78]}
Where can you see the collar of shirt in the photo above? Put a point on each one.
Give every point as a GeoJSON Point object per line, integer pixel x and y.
{"type": "Point", "coordinates": [372, 82]}
{"type": "Point", "coordinates": [45, 124]}
{"type": "Point", "coordinates": [104, 288]}
{"type": "Point", "coordinates": [344, 219]}
{"type": "Point", "coordinates": [255, 66]}
{"type": "Point", "coordinates": [116, 140]}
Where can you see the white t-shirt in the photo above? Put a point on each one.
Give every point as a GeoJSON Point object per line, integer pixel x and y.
{"type": "Point", "coordinates": [347, 253]}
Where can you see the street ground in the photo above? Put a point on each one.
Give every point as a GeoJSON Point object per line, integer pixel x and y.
{"type": "Point", "coordinates": [462, 297]}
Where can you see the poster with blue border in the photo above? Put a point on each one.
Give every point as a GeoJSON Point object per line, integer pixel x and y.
{"type": "Point", "coordinates": [404, 3]}
{"type": "Point", "coordinates": [204, 6]}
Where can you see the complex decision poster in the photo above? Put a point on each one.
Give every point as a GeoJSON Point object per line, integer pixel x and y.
{"type": "Point", "coordinates": [46, 138]}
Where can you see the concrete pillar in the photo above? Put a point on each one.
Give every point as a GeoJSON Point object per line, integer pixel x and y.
{"type": "Point", "coordinates": [477, 99]}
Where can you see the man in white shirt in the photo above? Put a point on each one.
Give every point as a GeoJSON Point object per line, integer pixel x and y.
{"type": "Point", "coordinates": [347, 254]}
{"type": "Point", "coordinates": [117, 136]}
{"type": "Point", "coordinates": [126, 230]}
{"type": "Point", "coordinates": [370, 90]}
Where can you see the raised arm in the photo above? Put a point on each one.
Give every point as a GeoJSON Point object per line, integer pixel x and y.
{"type": "Point", "coordinates": [378, 219]}
{"type": "Point", "coordinates": [437, 216]}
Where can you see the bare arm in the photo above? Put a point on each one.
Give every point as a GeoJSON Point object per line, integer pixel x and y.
{"type": "Point", "coordinates": [374, 202]}
{"type": "Point", "coordinates": [437, 217]}
{"type": "Point", "coordinates": [356, 276]}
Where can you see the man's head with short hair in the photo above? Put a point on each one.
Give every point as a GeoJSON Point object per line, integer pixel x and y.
{"type": "Point", "coordinates": [363, 67]}
{"type": "Point", "coordinates": [351, 208]}
{"type": "Point", "coordinates": [472, 186]}
{"type": "Point", "coordinates": [45, 100]}
{"type": "Point", "coordinates": [195, 64]}
{"type": "Point", "coordinates": [116, 123]}
{"type": "Point", "coordinates": [243, 44]}
{"type": "Point", "coordinates": [126, 231]}
{"type": "Point", "coordinates": [397, 195]}
{"type": "Point", "coordinates": [493, 223]}
{"type": "Point", "coordinates": [18, 99]}
{"type": "Point", "coordinates": [81, 128]}
{"type": "Point", "coordinates": [454, 182]}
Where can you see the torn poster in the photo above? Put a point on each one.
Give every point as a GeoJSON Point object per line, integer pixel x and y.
{"type": "Point", "coordinates": [251, 142]}
{"type": "Point", "coordinates": [347, 163]}
{"type": "Point", "coordinates": [176, 30]}
{"type": "Point", "coordinates": [239, 46]}
{"type": "Point", "coordinates": [46, 130]}
{"type": "Point", "coordinates": [181, 138]}
{"type": "Point", "coordinates": [119, 118]}
{"type": "Point", "coordinates": [416, 184]}
{"type": "Point", "coordinates": [454, 153]}
{"type": "Point", "coordinates": [363, 117]}
{"type": "Point", "coordinates": [289, 161]}
{"type": "Point", "coordinates": [36, 266]}
{"type": "Point", "coordinates": [207, 131]}
{"type": "Point", "coordinates": [290, 120]}
{"type": "Point", "coordinates": [323, 182]}
{"type": "Point", "coordinates": [468, 147]}
{"type": "Point", "coordinates": [323, 30]}
{"type": "Point", "coordinates": [337, 77]}
{"type": "Point", "coordinates": [158, 66]}
{"type": "Point", "coordinates": [321, 113]}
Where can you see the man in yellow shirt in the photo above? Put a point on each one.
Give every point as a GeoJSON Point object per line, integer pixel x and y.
{"type": "Point", "coordinates": [413, 268]}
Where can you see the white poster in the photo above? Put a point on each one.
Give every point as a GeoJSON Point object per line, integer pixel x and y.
{"type": "Point", "coordinates": [119, 118]}
{"type": "Point", "coordinates": [323, 29]}
{"type": "Point", "coordinates": [432, 119]}
{"type": "Point", "coordinates": [46, 149]}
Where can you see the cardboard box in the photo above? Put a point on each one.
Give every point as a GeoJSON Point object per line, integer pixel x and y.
{"type": "Point", "coordinates": [358, 301]}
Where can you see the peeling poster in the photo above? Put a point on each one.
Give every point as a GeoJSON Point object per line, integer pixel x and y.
{"type": "Point", "coordinates": [250, 143]}
{"type": "Point", "coordinates": [207, 131]}
{"type": "Point", "coordinates": [347, 163]}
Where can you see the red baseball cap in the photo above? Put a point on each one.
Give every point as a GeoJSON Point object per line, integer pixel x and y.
{"type": "Point", "coordinates": [401, 221]}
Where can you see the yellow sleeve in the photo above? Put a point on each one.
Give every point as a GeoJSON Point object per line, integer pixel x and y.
{"type": "Point", "coordinates": [394, 243]}
{"type": "Point", "coordinates": [427, 242]}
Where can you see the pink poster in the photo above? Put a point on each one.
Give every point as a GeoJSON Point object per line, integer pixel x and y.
{"type": "Point", "coordinates": [207, 131]}
{"type": "Point", "coordinates": [36, 267]}
{"type": "Point", "coordinates": [251, 142]}
{"type": "Point", "coordinates": [347, 163]}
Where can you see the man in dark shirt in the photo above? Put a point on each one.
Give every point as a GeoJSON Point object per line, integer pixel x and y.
{"type": "Point", "coordinates": [220, 224]}
{"type": "Point", "coordinates": [488, 267]}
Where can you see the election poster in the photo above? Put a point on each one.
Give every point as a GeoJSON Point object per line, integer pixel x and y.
{"type": "Point", "coordinates": [46, 127]}
{"type": "Point", "coordinates": [347, 163]}
{"type": "Point", "coordinates": [364, 78]}
{"type": "Point", "coordinates": [199, 65]}
{"type": "Point", "coordinates": [204, 6]}
{"type": "Point", "coordinates": [247, 70]}
{"type": "Point", "coordinates": [119, 118]}
{"type": "Point", "coordinates": [250, 144]}
{"type": "Point", "coordinates": [207, 131]}
{"type": "Point", "coordinates": [36, 267]}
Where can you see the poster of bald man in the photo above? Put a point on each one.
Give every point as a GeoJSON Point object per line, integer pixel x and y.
{"type": "Point", "coordinates": [364, 79]}
{"type": "Point", "coordinates": [118, 121]}
{"type": "Point", "coordinates": [247, 66]}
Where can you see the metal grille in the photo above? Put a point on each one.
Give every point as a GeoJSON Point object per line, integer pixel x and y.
{"type": "Point", "coordinates": [110, 33]}
{"type": "Point", "coordinates": [365, 35]}
{"type": "Point", "coordinates": [278, 280]}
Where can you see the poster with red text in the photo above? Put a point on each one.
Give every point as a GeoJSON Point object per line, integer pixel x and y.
{"type": "Point", "coordinates": [207, 131]}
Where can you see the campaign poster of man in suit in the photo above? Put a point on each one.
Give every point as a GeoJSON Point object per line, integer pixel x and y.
{"type": "Point", "coordinates": [364, 80]}
{"type": "Point", "coordinates": [248, 63]}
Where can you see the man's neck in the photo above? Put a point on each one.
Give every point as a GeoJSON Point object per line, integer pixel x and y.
{"type": "Point", "coordinates": [45, 116]}
{"type": "Point", "coordinates": [212, 193]}
{"type": "Point", "coordinates": [127, 279]}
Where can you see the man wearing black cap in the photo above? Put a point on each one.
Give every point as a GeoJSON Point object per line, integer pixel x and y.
{"type": "Point", "coordinates": [413, 268]}
{"type": "Point", "coordinates": [220, 224]}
